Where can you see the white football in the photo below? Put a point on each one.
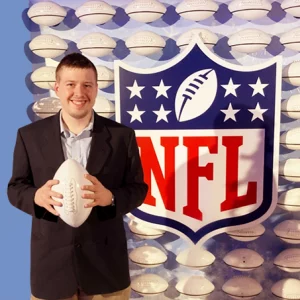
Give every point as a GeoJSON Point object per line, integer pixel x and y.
{"type": "Point", "coordinates": [291, 39]}
{"type": "Point", "coordinates": [145, 232]}
{"type": "Point", "coordinates": [196, 10]}
{"type": "Point", "coordinates": [249, 9]}
{"type": "Point", "coordinates": [195, 258]}
{"type": "Point", "coordinates": [242, 287]}
{"type": "Point", "coordinates": [48, 45]}
{"type": "Point", "coordinates": [96, 44]}
{"type": "Point", "coordinates": [291, 107]}
{"type": "Point", "coordinates": [288, 231]}
{"type": "Point", "coordinates": [44, 77]}
{"type": "Point", "coordinates": [290, 200]}
{"type": "Point", "coordinates": [145, 11]}
{"type": "Point", "coordinates": [95, 12]}
{"type": "Point", "coordinates": [103, 107]}
{"type": "Point", "coordinates": [71, 177]}
{"type": "Point", "coordinates": [289, 169]}
{"type": "Point", "coordinates": [247, 234]}
{"type": "Point", "coordinates": [196, 94]}
{"type": "Point", "coordinates": [291, 7]}
{"type": "Point", "coordinates": [46, 107]}
{"type": "Point", "coordinates": [291, 139]}
{"type": "Point", "coordinates": [195, 286]}
{"type": "Point", "coordinates": [288, 288]}
{"type": "Point", "coordinates": [46, 13]}
{"type": "Point", "coordinates": [288, 260]}
{"type": "Point", "coordinates": [149, 285]}
{"type": "Point", "coordinates": [249, 40]}
{"type": "Point", "coordinates": [209, 38]}
{"type": "Point", "coordinates": [291, 73]}
{"type": "Point", "coordinates": [148, 256]}
{"type": "Point", "coordinates": [243, 259]}
{"type": "Point", "coordinates": [145, 43]}
{"type": "Point", "coordinates": [105, 77]}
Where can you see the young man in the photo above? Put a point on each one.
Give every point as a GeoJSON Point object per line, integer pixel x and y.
{"type": "Point", "coordinates": [89, 262]}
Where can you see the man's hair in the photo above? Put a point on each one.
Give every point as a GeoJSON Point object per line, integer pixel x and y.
{"type": "Point", "coordinates": [75, 60]}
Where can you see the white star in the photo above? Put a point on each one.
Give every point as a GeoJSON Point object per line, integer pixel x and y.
{"type": "Point", "coordinates": [136, 114]}
{"type": "Point", "coordinates": [230, 113]}
{"type": "Point", "coordinates": [258, 87]}
{"type": "Point", "coordinates": [135, 90]}
{"type": "Point", "coordinates": [257, 112]}
{"type": "Point", "coordinates": [162, 114]}
{"type": "Point", "coordinates": [161, 89]}
{"type": "Point", "coordinates": [230, 88]}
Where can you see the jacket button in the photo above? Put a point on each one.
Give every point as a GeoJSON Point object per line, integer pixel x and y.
{"type": "Point", "coordinates": [77, 245]}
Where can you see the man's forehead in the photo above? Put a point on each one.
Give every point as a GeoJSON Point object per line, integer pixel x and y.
{"type": "Point", "coordinates": [70, 74]}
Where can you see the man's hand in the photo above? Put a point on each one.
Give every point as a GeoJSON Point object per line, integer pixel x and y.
{"type": "Point", "coordinates": [43, 197]}
{"type": "Point", "coordinates": [101, 195]}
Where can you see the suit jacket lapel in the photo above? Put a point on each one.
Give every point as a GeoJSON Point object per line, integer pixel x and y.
{"type": "Point", "coordinates": [100, 147]}
{"type": "Point", "coordinates": [51, 144]}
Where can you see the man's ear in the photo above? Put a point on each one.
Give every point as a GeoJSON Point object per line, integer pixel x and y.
{"type": "Point", "coordinates": [56, 87]}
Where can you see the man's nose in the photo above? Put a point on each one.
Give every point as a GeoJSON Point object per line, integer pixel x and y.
{"type": "Point", "coordinates": [79, 90]}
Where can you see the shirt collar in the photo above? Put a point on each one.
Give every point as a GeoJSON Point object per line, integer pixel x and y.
{"type": "Point", "coordinates": [67, 133]}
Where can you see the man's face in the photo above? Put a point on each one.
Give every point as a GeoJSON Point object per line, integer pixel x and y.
{"type": "Point", "coordinates": [77, 90]}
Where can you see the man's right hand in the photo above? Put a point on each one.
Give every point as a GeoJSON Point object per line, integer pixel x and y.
{"type": "Point", "coordinates": [43, 197]}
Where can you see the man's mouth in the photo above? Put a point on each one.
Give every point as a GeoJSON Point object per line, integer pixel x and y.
{"type": "Point", "coordinates": [78, 103]}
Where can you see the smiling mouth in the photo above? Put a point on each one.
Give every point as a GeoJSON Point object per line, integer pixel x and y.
{"type": "Point", "coordinates": [78, 103]}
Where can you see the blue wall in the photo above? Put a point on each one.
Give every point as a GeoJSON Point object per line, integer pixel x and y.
{"type": "Point", "coordinates": [14, 225]}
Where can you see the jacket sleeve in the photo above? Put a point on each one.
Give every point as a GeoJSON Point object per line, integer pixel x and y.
{"type": "Point", "coordinates": [134, 190]}
{"type": "Point", "coordinates": [21, 189]}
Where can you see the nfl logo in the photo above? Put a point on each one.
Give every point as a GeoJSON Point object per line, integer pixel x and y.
{"type": "Point", "coordinates": [208, 134]}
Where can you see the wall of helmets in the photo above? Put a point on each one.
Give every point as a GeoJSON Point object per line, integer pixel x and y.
{"type": "Point", "coordinates": [262, 262]}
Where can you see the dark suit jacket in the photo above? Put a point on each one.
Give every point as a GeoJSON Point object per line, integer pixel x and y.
{"type": "Point", "coordinates": [93, 256]}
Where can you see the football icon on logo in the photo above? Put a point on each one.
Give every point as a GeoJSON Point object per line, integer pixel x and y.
{"type": "Point", "coordinates": [196, 94]}
{"type": "Point", "coordinates": [71, 177]}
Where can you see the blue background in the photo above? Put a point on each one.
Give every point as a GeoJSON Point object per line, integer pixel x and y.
{"type": "Point", "coordinates": [15, 97]}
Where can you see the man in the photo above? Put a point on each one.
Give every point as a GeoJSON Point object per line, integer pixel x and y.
{"type": "Point", "coordinates": [89, 262]}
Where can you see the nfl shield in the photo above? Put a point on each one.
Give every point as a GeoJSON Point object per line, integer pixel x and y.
{"type": "Point", "coordinates": [208, 134]}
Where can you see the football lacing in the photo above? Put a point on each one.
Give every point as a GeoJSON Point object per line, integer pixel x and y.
{"type": "Point", "coordinates": [70, 197]}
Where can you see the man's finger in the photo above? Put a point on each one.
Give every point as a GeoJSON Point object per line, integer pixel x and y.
{"type": "Point", "coordinates": [91, 178]}
{"type": "Point", "coordinates": [89, 196]}
{"type": "Point", "coordinates": [52, 182]}
{"type": "Point", "coordinates": [55, 194]}
{"type": "Point", "coordinates": [56, 203]}
{"type": "Point", "coordinates": [52, 210]}
{"type": "Point", "coordinates": [91, 188]}
{"type": "Point", "coordinates": [92, 204]}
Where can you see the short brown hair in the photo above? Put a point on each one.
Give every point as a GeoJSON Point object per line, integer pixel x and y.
{"type": "Point", "coordinates": [75, 60]}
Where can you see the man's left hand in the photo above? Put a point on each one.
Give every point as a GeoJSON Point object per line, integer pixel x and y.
{"type": "Point", "coordinates": [101, 195]}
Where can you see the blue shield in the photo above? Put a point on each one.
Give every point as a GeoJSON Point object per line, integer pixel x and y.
{"type": "Point", "coordinates": [208, 133]}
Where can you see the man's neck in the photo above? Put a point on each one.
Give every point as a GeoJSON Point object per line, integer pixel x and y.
{"type": "Point", "coordinates": [75, 125]}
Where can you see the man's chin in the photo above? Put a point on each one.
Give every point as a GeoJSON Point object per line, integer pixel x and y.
{"type": "Point", "coordinates": [79, 115]}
